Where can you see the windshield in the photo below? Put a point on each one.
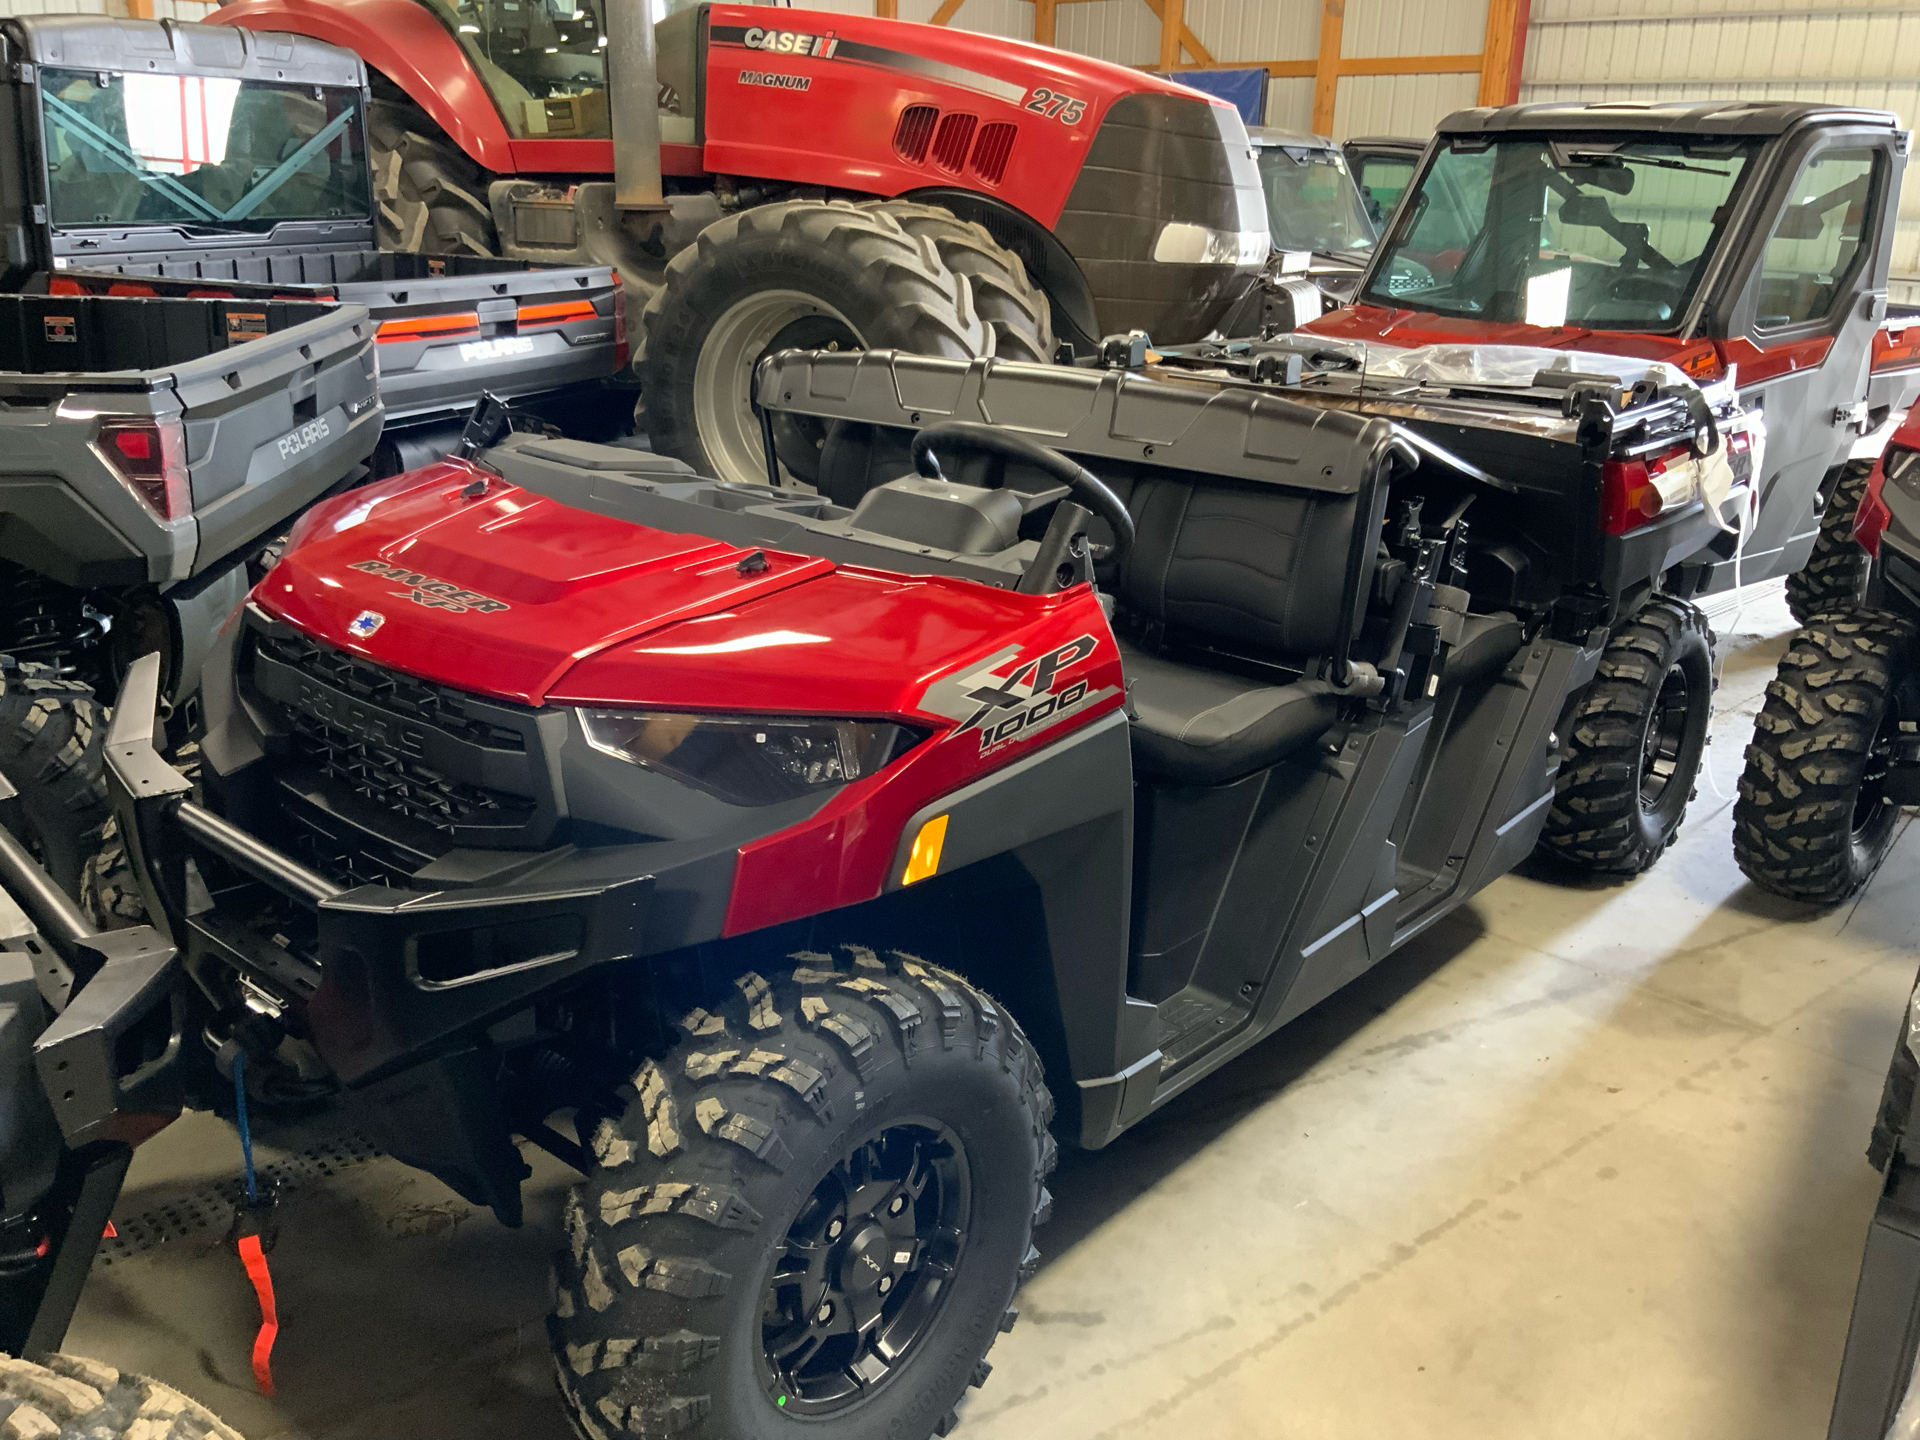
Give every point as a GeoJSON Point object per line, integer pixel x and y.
{"type": "Point", "coordinates": [1600, 234]}
{"type": "Point", "coordinates": [1311, 200]}
{"type": "Point", "coordinates": [205, 152]}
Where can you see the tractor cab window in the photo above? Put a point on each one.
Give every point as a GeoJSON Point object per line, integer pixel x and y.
{"type": "Point", "coordinates": [543, 61]}
{"type": "Point", "coordinates": [1819, 236]}
{"type": "Point", "coordinates": [1601, 234]}
{"type": "Point", "coordinates": [201, 152]}
{"type": "Point", "coordinates": [1311, 200]}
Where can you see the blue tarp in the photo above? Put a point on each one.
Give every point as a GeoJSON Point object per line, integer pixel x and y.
{"type": "Point", "coordinates": [1245, 90]}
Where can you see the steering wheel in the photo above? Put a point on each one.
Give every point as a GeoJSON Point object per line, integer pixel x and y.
{"type": "Point", "coordinates": [1083, 487]}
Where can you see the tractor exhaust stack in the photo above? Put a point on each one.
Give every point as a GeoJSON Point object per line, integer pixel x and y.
{"type": "Point", "coordinates": [633, 87]}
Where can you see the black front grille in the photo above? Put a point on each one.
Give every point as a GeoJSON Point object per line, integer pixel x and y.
{"type": "Point", "coordinates": [380, 772]}
{"type": "Point", "coordinates": [392, 779]}
{"type": "Point", "coordinates": [439, 706]}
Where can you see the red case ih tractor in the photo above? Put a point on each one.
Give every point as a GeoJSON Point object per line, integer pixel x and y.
{"type": "Point", "coordinates": [809, 180]}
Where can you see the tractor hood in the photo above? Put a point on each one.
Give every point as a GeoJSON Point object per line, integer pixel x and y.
{"type": "Point", "coordinates": [452, 574]}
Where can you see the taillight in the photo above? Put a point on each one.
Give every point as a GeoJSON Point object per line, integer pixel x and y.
{"type": "Point", "coordinates": [1634, 492]}
{"type": "Point", "coordinates": [1870, 520]}
{"type": "Point", "coordinates": [621, 351]}
{"type": "Point", "coordinates": [150, 456]}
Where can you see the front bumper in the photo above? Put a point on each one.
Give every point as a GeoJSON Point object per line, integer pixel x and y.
{"type": "Point", "coordinates": [386, 976]}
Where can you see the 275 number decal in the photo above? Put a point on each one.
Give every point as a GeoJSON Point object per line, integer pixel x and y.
{"type": "Point", "coordinates": [1055, 106]}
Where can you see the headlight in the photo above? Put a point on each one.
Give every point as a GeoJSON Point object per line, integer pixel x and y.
{"type": "Point", "coordinates": [1184, 244]}
{"type": "Point", "coordinates": [748, 759]}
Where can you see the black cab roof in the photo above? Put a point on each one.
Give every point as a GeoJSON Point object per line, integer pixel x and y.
{"type": "Point", "coordinates": [1675, 117]}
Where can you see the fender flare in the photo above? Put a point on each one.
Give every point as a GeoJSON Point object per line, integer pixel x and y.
{"type": "Point", "coordinates": [404, 42]}
{"type": "Point", "coordinates": [1047, 260]}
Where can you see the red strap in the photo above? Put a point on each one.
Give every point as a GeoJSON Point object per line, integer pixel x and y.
{"type": "Point", "coordinates": [255, 1260]}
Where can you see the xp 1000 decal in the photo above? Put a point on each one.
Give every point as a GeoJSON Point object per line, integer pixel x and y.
{"type": "Point", "coordinates": [1017, 693]}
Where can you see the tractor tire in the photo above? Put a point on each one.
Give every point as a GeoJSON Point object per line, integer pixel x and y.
{"type": "Point", "coordinates": [53, 737]}
{"type": "Point", "coordinates": [804, 273]}
{"type": "Point", "coordinates": [70, 1398]}
{"type": "Point", "coordinates": [856, 1149]}
{"type": "Point", "coordinates": [1835, 575]}
{"type": "Point", "coordinates": [1007, 299]}
{"type": "Point", "coordinates": [1634, 743]}
{"type": "Point", "coordinates": [1812, 821]}
{"type": "Point", "coordinates": [429, 197]}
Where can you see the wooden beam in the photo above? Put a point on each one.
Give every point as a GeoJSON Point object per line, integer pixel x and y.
{"type": "Point", "coordinates": [1173, 14]}
{"type": "Point", "coordinates": [948, 9]}
{"type": "Point", "coordinates": [1326, 75]}
{"type": "Point", "coordinates": [1505, 51]}
{"type": "Point", "coordinates": [1412, 65]}
{"type": "Point", "coordinates": [886, 9]}
{"type": "Point", "coordinates": [1043, 16]}
{"type": "Point", "coordinates": [1189, 42]}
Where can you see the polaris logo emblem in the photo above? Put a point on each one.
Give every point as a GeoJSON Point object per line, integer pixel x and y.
{"type": "Point", "coordinates": [365, 623]}
{"type": "Point", "coordinates": [427, 591]}
{"type": "Point", "coordinates": [305, 438]}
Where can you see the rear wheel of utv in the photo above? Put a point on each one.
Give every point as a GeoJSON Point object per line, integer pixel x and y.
{"type": "Point", "coordinates": [813, 1215]}
{"type": "Point", "coordinates": [1634, 742]}
{"type": "Point", "coordinates": [428, 195]}
{"type": "Point", "coordinates": [1835, 575]}
{"type": "Point", "coordinates": [1813, 821]}
{"type": "Point", "coordinates": [71, 1398]}
{"type": "Point", "coordinates": [53, 736]}
{"type": "Point", "coordinates": [805, 274]}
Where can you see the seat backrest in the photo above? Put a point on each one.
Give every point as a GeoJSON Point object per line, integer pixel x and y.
{"type": "Point", "coordinates": [1258, 567]}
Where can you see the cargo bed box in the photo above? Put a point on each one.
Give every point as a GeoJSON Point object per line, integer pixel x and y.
{"type": "Point", "coordinates": [449, 327]}
{"type": "Point", "coordinates": [149, 441]}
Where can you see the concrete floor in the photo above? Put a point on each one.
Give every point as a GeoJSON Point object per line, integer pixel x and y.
{"type": "Point", "coordinates": [1587, 1161]}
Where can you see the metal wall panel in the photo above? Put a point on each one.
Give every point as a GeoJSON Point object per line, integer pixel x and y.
{"type": "Point", "coordinates": [1123, 31]}
{"type": "Point", "coordinates": [1413, 27]}
{"type": "Point", "coordinates": [1865, 52]}
{"type": "Point", "coordinates": [1010, 18]}
{"type": "Point", "coordinates": [1248, 30]}
{"type": "Point", "coordinates": [1290, 104]}
{"type": "Point", "coordinates": [1399, 104]}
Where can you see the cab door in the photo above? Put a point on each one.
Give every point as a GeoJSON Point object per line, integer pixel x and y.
{"type": "Point", "coordinates": [1806, 297]}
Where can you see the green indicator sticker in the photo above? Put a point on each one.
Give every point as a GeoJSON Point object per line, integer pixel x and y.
{"type": "Point", "coordinates": [781, 1401]}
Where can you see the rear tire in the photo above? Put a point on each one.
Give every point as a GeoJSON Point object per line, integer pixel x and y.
{"type": "Point", "coordinates": [1635, 742]}
{"type": "Point", "coordinates": [1811, 822]}
{"type": "Point", "coordinates": [429, 197]}
{"type": "Point", "coordinates": [53, 736]}
{"type": "Point", "coordinates": [870, 1108]}
{"type": "Point", "coordinates": [806, 273]}
{"type": "Point", "coordinates": [1835, 575]}
{"type": "Point", "coordinates": [70, 1398]}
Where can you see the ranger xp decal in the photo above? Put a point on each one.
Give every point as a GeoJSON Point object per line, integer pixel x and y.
{"type": "Point", "coordinates": [1008, 706]}
{"type": "Point", "coordinates": [425, 590]}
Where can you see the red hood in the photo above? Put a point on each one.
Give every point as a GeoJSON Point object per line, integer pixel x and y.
{"type": "Point", "coordinates": [509, 593]}
{"type": "Point", "coordinates": [501, 593]}
{"type": "Point", "coordinates": [1412, 328]}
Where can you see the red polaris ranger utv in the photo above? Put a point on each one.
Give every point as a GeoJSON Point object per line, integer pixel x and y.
{"type": "Point", "coordinates": [559, 786]}
{"type": "Point", "coordinates": [1721, 238]}
{"type": "Point", "coordinates": [1010, 195]}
